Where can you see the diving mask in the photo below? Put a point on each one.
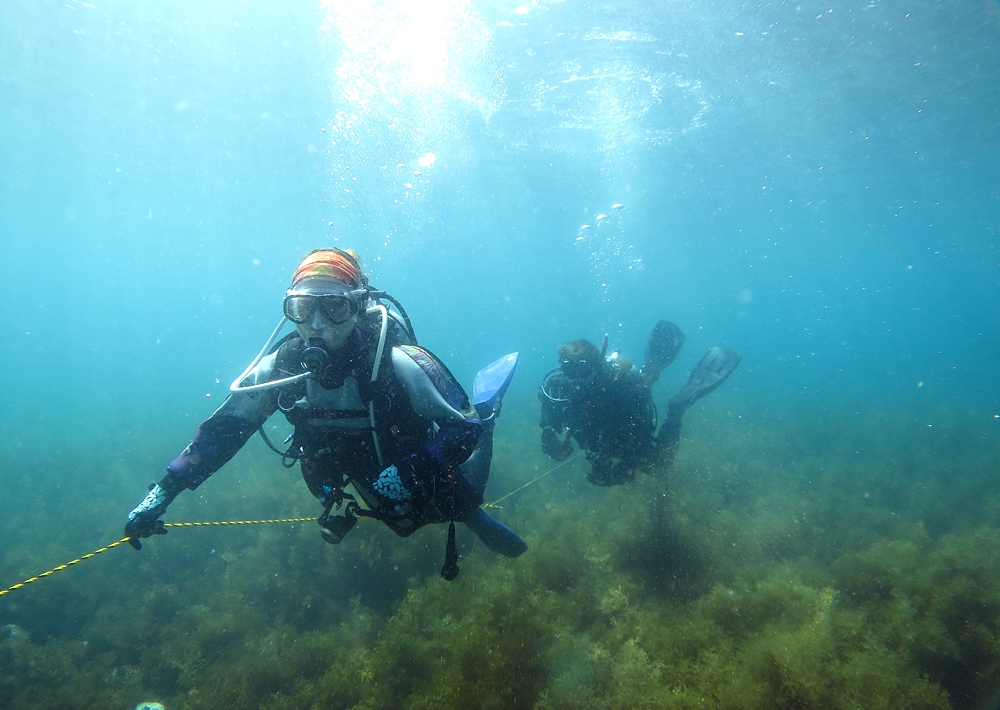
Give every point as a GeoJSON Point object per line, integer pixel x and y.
{"type": "Point", "coordinates": [339, 307]}
{"type": "Point", "coordinates": [577, 369]}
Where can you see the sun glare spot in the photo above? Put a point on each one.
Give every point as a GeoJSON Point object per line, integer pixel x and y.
{"type": "Point", "coordinates": [398, 52]}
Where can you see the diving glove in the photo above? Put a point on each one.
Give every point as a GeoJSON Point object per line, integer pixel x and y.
{"type": "Point", "coordinates": [143, 520]}
{"type": "Point", "coordinates": [553, 447]}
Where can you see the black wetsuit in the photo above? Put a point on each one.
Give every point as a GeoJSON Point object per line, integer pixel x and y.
{"type": "Point", "coordinates": [612, 417]}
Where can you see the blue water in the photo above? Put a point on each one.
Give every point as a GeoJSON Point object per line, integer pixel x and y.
{"type": "Point", "coordinates": [814, 185]}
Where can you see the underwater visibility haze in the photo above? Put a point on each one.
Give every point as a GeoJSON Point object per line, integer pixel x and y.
{"type": "Point", "coordinates": [813, 185]}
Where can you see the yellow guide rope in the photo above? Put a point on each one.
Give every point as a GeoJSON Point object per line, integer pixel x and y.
{"type": "Point", "coordinates": [236, 522]}
{"type": "Point", "coordinates": [116, 543]}
{"type": "Point", "coordinates": [518, 490]}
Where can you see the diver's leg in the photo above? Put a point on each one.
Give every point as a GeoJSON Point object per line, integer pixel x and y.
{"type": "Point", "coordinates": [668, 439]}
{"type": "Point", "coordinates": [476, 469]}
{"type": "Point", "coordinates": [469, 496]}
{"type": "Point", "coordinates": [488, 391]}
{"type": "Point", "coordinates": [710, 372]}
{"type": "Point", "coordinates": [487, 396]}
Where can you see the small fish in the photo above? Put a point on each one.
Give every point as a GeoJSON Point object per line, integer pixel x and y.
{"type": "Point", "coordinates": [617, 206]}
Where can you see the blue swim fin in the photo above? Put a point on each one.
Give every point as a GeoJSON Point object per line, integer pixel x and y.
{"type": "Point", "coordinates": [495, 535]}
{"type": "Point", "coordinates": [491, 383]}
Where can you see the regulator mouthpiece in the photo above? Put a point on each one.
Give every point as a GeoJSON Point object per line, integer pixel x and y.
{"type": "Point", "coordinates": [314, 356]}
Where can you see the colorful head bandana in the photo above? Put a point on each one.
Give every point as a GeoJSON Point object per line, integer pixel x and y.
{"type": "Point", "coordinates": [329, 262]}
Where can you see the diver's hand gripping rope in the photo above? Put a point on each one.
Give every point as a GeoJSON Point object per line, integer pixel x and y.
{"type": "Point", "coordinates": [116, 543]}
{"type": "Point", "coordinates": [209, 523]}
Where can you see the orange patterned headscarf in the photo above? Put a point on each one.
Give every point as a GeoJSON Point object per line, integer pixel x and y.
{"type": "Point", "coordinates": [330, 262]}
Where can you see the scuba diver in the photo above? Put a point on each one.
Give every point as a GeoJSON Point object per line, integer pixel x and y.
{"type": "Point", "coordinates": [608, 408]}
{"type": "Point", "coordinates": [368, 407]}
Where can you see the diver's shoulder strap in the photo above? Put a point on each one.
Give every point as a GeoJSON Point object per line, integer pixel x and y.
{"type": "Point", "coordinates": [396, 335]}
{"type": "Point", "coordinates": [396, 332]}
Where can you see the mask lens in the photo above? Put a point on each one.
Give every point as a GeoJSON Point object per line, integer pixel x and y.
{"type": "Point", "coordinates": [338, 309]}
{"type": "Point", "coordinates": [299, 308]}
{"type": "Point", "coordinates": [577, 369]}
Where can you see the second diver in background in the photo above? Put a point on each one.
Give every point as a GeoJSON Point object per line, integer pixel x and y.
{"type": "Point", "coordinates": [608, 408]}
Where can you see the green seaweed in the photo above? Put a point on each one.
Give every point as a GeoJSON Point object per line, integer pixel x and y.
{"type": "Point", "coordinates": [801, 562]}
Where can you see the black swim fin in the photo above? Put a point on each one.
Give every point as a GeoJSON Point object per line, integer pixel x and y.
{"type": "Point", "coordinates": [665, 342]}
{"type": "Point", "coordinates": [495, 535]}
{"type": "Point", "coordinates": [710, 372]}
